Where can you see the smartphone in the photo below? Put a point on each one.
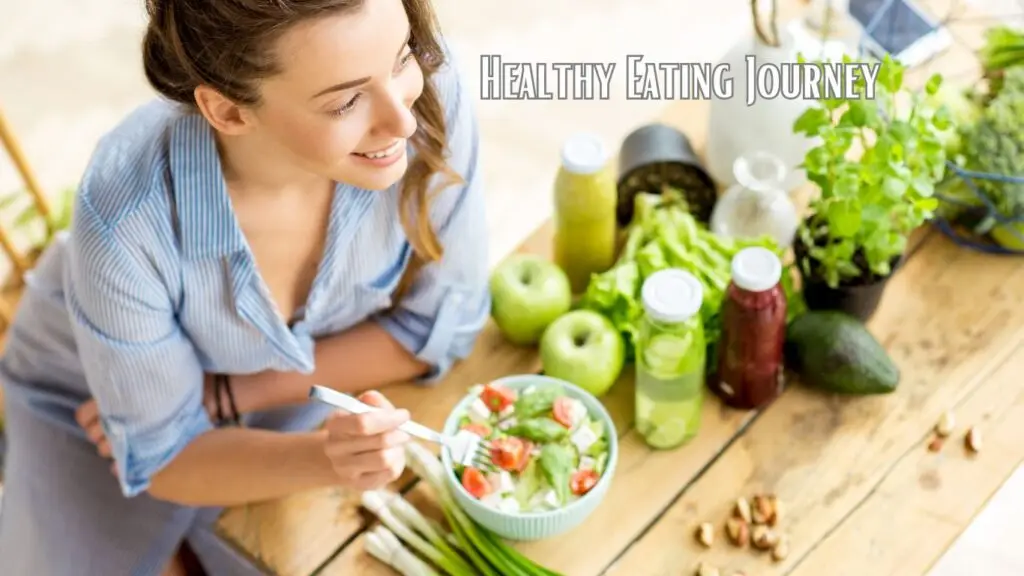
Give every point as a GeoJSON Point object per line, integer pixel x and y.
{"type": "Point", "coordinates": [901, 28]}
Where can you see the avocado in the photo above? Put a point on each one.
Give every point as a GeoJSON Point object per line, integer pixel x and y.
{"type": "Point", "coordinates": [834, 351]}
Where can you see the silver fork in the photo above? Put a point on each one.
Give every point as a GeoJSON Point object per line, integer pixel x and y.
{"type": "Point", "coordinates": [465, 447]}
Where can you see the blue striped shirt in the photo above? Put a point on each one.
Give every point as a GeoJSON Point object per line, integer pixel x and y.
{"type": "Point", "coordinates": [155, 284]}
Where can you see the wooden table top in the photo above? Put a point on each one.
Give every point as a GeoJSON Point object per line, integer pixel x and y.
{"type": "Point", "coordinates": [862, 493]}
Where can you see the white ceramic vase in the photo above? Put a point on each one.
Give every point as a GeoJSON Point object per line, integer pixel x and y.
{"type": "Point", "coordinates": [737, 129]}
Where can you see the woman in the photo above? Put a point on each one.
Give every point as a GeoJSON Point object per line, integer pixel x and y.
{"type": "Point", "coordinates": [309, 160]}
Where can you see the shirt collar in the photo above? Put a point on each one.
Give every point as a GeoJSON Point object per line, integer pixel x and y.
{"type": "Point", "coordinates": [206, 220]}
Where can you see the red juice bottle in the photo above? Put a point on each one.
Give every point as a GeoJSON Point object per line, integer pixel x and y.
{"type": "Point", "coordinates": [750, 365]}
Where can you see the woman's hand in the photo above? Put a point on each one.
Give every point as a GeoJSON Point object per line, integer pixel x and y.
{"type": "Point", "coordinates": [367, 450]}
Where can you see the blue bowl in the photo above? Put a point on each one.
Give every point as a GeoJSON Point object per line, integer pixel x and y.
{"type": "Point", "coordinates": [525, 526]}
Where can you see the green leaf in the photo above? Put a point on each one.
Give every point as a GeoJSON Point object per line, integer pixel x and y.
{"type": "Point", "coordinates": [923, 186]}
{"type": "Point", "coordinates": [890, 74]}
{"type": "Point", "coordinates": [894, 188]}
{"type": "Point", "coordinates": [844, 218]}
{"type": "Point", "coordinates": [933, 84]}
{"type": "Point", "coordinates": [812, 122]}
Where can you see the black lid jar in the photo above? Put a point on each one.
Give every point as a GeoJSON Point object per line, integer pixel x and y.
{"type": "Point", "coordinates": [655, 157]}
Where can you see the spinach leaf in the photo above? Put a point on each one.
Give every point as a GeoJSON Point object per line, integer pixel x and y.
{"type": "Point", "coordinates": [537, 401]}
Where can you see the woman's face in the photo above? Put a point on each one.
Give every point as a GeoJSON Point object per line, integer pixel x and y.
{"type": "Point", "coordinates": [341, 106]}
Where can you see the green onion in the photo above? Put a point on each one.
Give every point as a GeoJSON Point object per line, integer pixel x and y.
{"type": "Point", "coordinates": [383, 545]}
{"type": "Point", "coordinates": [488, 553]}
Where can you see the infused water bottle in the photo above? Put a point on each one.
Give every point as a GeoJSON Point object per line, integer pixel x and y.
{"type": "Point", "coordinates": [670, 359]}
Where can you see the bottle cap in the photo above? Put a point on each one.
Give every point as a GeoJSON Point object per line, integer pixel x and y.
{"type": "Point", "coordinates": [756, 269]}
{"type": "Point", "coordinates": [672, 295]}
{"type": "Point", "coordinates": [584, 153]}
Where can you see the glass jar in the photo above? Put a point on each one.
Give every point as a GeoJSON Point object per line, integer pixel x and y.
{"type": "Point", "coordinates": [750, 363]}
{"type": "Point", "coordinates": [670, 359]}
{"type": "Point", "coordinates": [585, 210]}
{"type": "Point", "coordinates": [757, 204]}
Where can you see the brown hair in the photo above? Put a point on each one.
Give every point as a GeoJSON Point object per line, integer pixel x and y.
{"type": "Point", "coordinates": [227, 45]}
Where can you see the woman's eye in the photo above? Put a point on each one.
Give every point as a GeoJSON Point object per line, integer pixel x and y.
{"type": "Point", "coordinates": [405, 59]}
{"type": "Point", "coordinates": [347, 106]}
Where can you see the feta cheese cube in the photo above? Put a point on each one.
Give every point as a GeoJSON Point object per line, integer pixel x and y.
{"type": "Point", "coordinates": [578, 413]}
{"type": "Point", "coordinates": [587, 463]}
{"type": "Point", "coordinates": [502, 482]}
{"type": "Point", "coordinates": [506, 424]}
{"type": "Point", "coordinates": [508, 411]}
{"type": "Point", "coordinates": [530, 389]}
{"type": "Point", "coordinates": [476, 389]}
{"type": "Point", "coordinates": [551, 499]}
{"type": "Point", "coordinates": [492, 500]}
{"type": "Point", "coordinates": [535, 451]}
{"type": "Point", "coordinates": [583, 438]}
{"type": "Point", "coordinates": [479, 412]}
{"type": "Point", "coordinates": [509, 505]}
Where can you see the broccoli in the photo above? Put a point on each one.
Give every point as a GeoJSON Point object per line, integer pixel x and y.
{"type": "Point", "coordinates": [994, 144]}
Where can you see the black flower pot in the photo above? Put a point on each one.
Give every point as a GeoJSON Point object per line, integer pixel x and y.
{"type": "Point", "coordinates": [858, 300]}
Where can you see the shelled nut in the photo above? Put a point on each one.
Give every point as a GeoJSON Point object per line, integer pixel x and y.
{"type": "Point", "coordinates": [946, 424]}
{"type": "Point", "coordinates": [780, 550]}
{"type": "Point", "coordinates": [973, 440]}
{"type": "Point", "coordinates": [738, 531]}
{"type": "Point", "coordinates": [936, 444]}
{"type": "Point", "coordinates": [763, 538]}
{"type": "Point", "coordinates": [763, 511]}
{"type": "Point", "coordinates": [742, 510]}
{"type": "Point", "coordinates": [706, 534]}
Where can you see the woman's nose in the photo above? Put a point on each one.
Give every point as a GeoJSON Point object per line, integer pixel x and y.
{"type": "Point", "coordinates": [396, 118]}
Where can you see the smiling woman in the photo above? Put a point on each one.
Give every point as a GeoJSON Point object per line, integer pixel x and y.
{"type": "Point", "coordinates": [301, 206]}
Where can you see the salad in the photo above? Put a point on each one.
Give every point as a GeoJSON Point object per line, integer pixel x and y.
{"type": "Point", "coordinates": [546, 448]}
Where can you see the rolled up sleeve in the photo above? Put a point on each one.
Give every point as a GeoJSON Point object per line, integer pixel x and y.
{"type": "Point", "coordinates": [140, 367]}
{"type": "Point", "coordinates": [447, 306]}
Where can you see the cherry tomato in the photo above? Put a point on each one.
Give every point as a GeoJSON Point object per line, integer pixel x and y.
{"type": "Point", "coordinates": [510, 453]}
{"type": "Point", "coordinates": [562, 411]}
{"type": "Point", "coordinates": [583, 481]}
{"type": "Point", "coordinates": [497, 397]}
{"type": "Point", "coordinates": [475, 482]}
{"type": "Point", "coordinates": [478, 428]}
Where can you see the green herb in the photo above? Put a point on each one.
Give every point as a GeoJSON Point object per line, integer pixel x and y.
{"type": "Point", "coordinates": [876, 167]}
{"type": "Point", "coordinates": [556, 460]}
{"type": "Point", "coordinates": [539, 430]}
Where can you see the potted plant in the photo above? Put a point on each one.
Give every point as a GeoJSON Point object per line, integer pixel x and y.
{"type": "Point", "coordinates": [876, 166]}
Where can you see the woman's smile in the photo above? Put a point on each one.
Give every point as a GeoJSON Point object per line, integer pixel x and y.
{"type": "Point", "coordinates": [383, 156]}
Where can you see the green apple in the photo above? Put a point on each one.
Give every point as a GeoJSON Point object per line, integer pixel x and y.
{"type": "Point", "coordinates": [527, 294]}
{"type": "Point", "coordinates": [584, 348]}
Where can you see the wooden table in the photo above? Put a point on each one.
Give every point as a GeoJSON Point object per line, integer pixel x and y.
{"type": "Point", "coordinates": [862, 494]}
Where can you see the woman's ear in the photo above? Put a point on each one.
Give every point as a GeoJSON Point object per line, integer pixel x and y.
{"type": "Point", "coordinates": [221, 112]}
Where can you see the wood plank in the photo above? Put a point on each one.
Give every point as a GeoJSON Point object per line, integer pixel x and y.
{"type": "Point", "coordinates": [944, 319]}
{"type": "Point", "coordinates": [936, 495]}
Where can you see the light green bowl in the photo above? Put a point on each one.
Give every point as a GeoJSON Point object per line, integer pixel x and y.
{"type": "Point", "coordinates": [535, 525]}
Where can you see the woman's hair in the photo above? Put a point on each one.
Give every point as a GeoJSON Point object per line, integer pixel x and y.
{"type": "Point", "coordinates": [228, 45]}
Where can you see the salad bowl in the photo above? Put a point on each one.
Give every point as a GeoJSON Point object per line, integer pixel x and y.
{"type": "Point", "coordinates": [525, 505]}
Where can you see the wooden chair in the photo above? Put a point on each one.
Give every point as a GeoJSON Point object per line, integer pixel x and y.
{"type": "Point", "coordinates": [20, 259]}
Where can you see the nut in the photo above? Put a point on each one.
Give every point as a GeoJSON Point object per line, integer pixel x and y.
{"type": "Point", "coordinates": [776, 506]}
{"type": "Point", "coordinates": [738, 532]}
{"type": "Point", "coordinates": [973, 440]}
{"type": "Point", "coordinates": [763, 537]}
{"type": "Point", "coordinates": [742, 510]}
{"type": "Point", "coordinates": [936, 444]}
{"type": "Point", "coordinates": [780, 550]}
{"type": "Point", "coordinates": [707, 570]}
{"type": "Point", "coordinates": [764, 510]}
{"type": "Point", "coordinates": [706, 534]}
{"type": "Point", "coordinates": [947, 422]}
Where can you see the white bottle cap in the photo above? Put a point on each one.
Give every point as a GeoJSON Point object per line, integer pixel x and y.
{"type": "Point", "coordinates": [756, 269]}
{"type": "Point", "coordinates": [584, 153]}
{"type": "Point", "coordinates": [672, 295]}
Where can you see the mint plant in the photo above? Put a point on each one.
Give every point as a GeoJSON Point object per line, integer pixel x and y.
{"type": "Point", "coordinates": [876, 165]}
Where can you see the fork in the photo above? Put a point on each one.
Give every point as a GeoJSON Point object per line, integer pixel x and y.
{"type": "Point", "coordinates": [465, 447]}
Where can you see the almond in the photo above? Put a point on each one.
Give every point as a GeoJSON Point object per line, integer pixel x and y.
{"type": "Point", "coordinates": [973, 440]}
{"type": "Point", "coordinates": [780, 550]}
{"type": "Point", "coordinates": [936, 444]}
{"type": "Point", "coordinates": [763, 537]}
{"type": "Point", "coordinates": [742, 510]}
{"type": "Point", "coordinates": [738, 532]}
{"type": "Point", "coordinates": [764, 510]}
{"type": "Point", "coordinates": [706, 534]}
{"type": "Point", "coordinates": [946, 424]}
